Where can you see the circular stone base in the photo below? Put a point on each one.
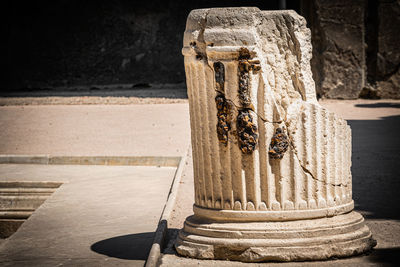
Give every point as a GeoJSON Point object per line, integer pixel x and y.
{"type": "Point", "coordinates": [315, 239]}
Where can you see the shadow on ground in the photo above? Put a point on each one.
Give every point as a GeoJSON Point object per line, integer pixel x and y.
{"type": "Point", "coordinates": [141, 91]}
{"type": "Point", "coordinates": [376, 169]}
{"type": "Point", "coordinates": [385, 256]}
{"type": "Point", "coordinates": [128, 247]}
{"type": "Point", "coordinates": [379, 105]}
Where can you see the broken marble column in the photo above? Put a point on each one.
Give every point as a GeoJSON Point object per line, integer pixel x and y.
{"type": "Point", "coordinates": [271, 166]}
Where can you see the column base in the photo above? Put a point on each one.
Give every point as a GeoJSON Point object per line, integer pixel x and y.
{"type": "Point", "coordinates": [314, 239]}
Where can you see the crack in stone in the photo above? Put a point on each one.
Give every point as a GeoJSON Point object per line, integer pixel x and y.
{"type": "Point", "coordinates": [304, 168]}
{"type": "Point", "coordinates": [290, 143]}
{"type": "Point", "coordinates": [238, 108]}
{"type": "Point", "coordinates": [251, 107]}
{"type": "Point", "coordinates": [312, 176]}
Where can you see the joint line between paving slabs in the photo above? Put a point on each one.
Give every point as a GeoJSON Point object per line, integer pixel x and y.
{"type": "Point", "coordinates": [91, 160]}
{"type": "Point", "coordinates": [159, 237]}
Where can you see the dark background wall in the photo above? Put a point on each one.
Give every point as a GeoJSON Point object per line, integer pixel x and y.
{"type": "Point", "coordinates": [355, 47]}
{"type": "Point", "coordinates": [69, 43]}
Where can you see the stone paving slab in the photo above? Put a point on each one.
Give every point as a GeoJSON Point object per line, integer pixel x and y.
{"type": "Point", "coordinates": [95, 130]}
{"type": "Point", "coordinates": [100, 216]}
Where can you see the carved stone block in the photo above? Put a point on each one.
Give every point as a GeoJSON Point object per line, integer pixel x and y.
{"type": "Point", "coordinates": [271, 166]}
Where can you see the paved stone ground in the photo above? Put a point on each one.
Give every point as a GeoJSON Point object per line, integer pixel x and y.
{"type": "Point", "coordinates": [376, 186]}
{"type": "Point", "coordinates": [100, 216]}
{"type": "Point", "coordinates": [95, 130]}
{"type": "Point", "coordinates": [122, 94]}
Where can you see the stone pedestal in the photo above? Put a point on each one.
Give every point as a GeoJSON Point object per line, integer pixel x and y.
{"type": "Point", "coordinates": [271, 166]}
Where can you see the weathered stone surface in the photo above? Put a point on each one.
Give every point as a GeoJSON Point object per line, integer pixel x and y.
{"type": "Point", "coordinates": [315, 239]}
{"type": "Point", "coordinates": [388, 56]}
{"type": "Point", "coordinates": [268, 84]}
{"type": "Point", "coordinates": [339, 54]}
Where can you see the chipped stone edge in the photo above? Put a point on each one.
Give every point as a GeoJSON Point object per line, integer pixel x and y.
{"type": "Point", "coordinates": [91, 160]}
{"type": "Point", "coordinates": [159, 237]}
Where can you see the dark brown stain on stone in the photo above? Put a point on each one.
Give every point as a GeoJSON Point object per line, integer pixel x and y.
{"type": "Point", "coordinates": [223, 125]}
{"type": "Point", "coordinates": [247, 132]}
{"type": "Point", "coordinates": [245, 65]}
{"type": "Point", "coordinates": [244, 81]}
{"type": "Point", "coordinates": [279, 144]}
{"type": "Point", "coordinates": [219, 70]}
{"type": "Point", "coordinates": [244, 53]}
{"type": "Point", "coordinates": [246, 129]}
{"type": "Point", "coordinates": [223, 106]}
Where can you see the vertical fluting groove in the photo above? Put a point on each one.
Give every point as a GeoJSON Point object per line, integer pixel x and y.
{"type": "Point", "coordinates": [283, 188]}
{"type": "Point", "coordinates": [273, 184]}
{"type": "Point", "coordinates": [225, 174]}
{"type": "Point", "coordinates": [190, 98]}
{"type": "Point", "coordinates": [238, 175]}
{"type": "Point", "coordinates": [238, 179]}
{"type": "Point", "coordinates": [196, 148]}
{"type": "Point", "coordinates": [212, 122]}
{"type": "Point", "coordinates": [200, 134]}
{"type": "Point", "coordinates": [241, 190]}
{"type": "Point", "coordinates": [257, 182]}
{"type": "Point", "coordinates": [299, 174]}
{"type": "Point", "coordinates": [238, 183]}
{"type": "Point", "coordinates": [344, 161]}
{"type": "Point", "coordinates": [308, 152]}
{"type": "Point", "coordinates": [247, 96]}
{"type": "Point", "coordinates": [332, 157]}
{"type": "Point", "coordinates": [193, 126]}
{"type": "Point", "coordinates": [270, 175]}
{"type": "Point", "coordinates": [292, 179]}
{"type": "Point", "coordinates": [256, 194]}
{"type": "Point", "coordinates": [336, 162]}
{"type": "Point", "coordinates": [249, 162]}
{"type": "Point", "coordinates": [276, 171]}
{"type": "Point", "coordinates": [324, 160]}
{"type": "Point", "coordinates": [297, 154]}
{"type": "Point", "coordinates": [348, 166]}
{"type": "Point", "coordinates": [347, 161]}
{"type": "Point", "coordinates": [249, 180]}
{"type": "Point", "coordinates": [349, 179]}
{"type": "Point", "coordinates": [318, 152]}
{"type": "Point", "coordinates": [286, 182]}
{"type": "Point", "coordinates": [327, 162]}
{"type": "Point", "coordinates": [262, 143]}
{"type": "Point", "coordinates": [305, 154]}
{"type": "Point", "coordinates": [340, 157]}
{"type": "Point", "coordinates": [320, 155]}
{"type": "Point", "coordinates": [225, 154]}
{"type": "Point", "coordinates": [313, 152]}
{"type": "Point", "coordinates": [250, 167]}
{"type": "Point", "coordinates": [341, 133]}
{"type": "Point", "coordinates": [205, 108]}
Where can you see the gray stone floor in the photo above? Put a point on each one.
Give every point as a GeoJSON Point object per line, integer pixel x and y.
{"type": "Point", "coordinates": [95, 130]}
{"type": "Point", "coordinates": [100, 216]}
